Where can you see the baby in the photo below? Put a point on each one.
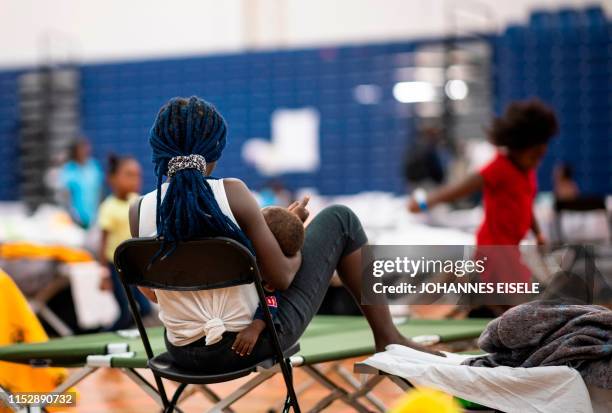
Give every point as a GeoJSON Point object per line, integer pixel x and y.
{"type": "Point", "coordinates": [286, 227]}
{"type": "Point", "coordinates": [288, 230]}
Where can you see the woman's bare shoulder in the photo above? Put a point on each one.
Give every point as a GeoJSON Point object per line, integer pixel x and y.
{"type": "Point", "coordinates": [241, 200]}
{"type": "Point", "coordinates": [234, 184]}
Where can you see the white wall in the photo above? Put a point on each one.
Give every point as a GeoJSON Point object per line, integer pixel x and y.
{"type": "Point", "coordinates": [91, 30]}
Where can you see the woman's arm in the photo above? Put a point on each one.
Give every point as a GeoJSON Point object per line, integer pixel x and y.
{"type": "Point", "coordinates": [277, 269]}
{"type": "Point", "coordinates": [449, 193]}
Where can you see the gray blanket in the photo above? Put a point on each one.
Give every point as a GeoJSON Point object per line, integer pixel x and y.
{"type": "Point", "coordinates": [546, 334]}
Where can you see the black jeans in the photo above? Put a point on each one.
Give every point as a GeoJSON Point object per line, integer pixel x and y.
{"type": "Point", "coordinates": [334, 233]}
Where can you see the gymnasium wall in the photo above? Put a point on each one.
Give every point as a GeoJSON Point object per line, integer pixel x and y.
{"type": "Point", "coordinates": [33, 30]}
{"type": "Point", "coordinates": [9, 135]}
{"type": "Point", "coordinates": [565, 59]}
{"type": "Point", "coordinates": [361, 145]}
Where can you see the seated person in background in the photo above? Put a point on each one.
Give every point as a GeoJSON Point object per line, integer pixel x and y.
{"type": "Point", "coordinates": [565, 187]}
{"type": "Point", "coordinates": [424, 164]}
{"type": "Point", "coordinates": [275, 193]}
{"type": "Point", "coordinates": [288, 230]}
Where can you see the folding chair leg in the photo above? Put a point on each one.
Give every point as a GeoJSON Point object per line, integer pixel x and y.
{"type": "Point", "coordinates": [241, 391]}
{"type": "Point", "coordinates": [175, 398]}
{"type": "Point", "coordinates": [291, 400]}
{"type": "Point", "coordinates": [336, 392]}
{"type": "Point", "coordinates": [212, 396]}
{"type": "Point", "coordinates": [144, 384]}
{"type": "Point", "coordinates": [303, 386]}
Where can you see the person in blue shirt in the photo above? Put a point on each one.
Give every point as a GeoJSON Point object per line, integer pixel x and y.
{"type": "Point", "coordinates": [82, 177]}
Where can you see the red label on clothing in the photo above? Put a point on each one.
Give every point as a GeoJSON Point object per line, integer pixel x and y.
{"type": "Point", "coordinates": [271, 300]}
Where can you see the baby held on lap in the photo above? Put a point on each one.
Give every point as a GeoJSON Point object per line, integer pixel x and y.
{"type": "Point", "coordinates": [286, 227]}
{"type": "Point", "coordinates": [288, 230]}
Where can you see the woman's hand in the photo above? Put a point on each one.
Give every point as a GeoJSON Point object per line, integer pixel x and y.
{"type": "Point", "coordinates": [299, 208]}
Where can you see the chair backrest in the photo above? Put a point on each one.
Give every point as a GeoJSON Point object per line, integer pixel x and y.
{"type": "Point", "coordinates": [201, 264]}
{"type": "Point", "coordinates": [585, 203]}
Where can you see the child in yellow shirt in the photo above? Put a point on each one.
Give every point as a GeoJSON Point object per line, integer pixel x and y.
{"type": "Point", "coordinates": [124, 179]}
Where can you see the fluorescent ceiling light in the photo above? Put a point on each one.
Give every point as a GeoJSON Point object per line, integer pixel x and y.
{"type": "Point", "coordinates": [413, 92]}
{"type": "Point", "coordinates": [367, 94]}
{"type": "Point", "coordinates": [456, 89]}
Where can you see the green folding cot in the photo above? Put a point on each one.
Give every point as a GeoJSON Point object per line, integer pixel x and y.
{"type": "Point", "coordinates": [327, 339]}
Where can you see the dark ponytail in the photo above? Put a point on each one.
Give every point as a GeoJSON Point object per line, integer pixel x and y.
{"type": "Point", "coordinates": [189, 208]}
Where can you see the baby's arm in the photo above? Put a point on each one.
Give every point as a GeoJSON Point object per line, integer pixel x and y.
{"type": "Point", "coordinates": [247, 338]}
{"type": "Point", "coordinates": [449, 193]}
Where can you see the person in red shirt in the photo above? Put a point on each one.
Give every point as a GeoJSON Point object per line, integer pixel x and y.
{"type": "Point", "coordinates": [508, 184]}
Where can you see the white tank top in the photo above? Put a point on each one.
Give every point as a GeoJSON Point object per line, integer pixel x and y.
{"type": "Point", "coordinates": [191, 315]}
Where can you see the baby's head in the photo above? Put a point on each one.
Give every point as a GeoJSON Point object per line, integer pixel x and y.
{"type": "Point", "coordinates": [286, 227]}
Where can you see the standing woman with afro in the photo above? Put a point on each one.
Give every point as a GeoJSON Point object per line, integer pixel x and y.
{"type": "Point", "coordinates": [187, 140]}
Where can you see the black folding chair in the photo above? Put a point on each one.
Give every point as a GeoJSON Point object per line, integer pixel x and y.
{"type": "Point", "coordinates": [202, 264]}
{"type": "Point", "coordinates": [582, 204]}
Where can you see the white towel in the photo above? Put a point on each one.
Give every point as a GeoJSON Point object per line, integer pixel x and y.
{"type": "Point", "coordinates": [513, 390]}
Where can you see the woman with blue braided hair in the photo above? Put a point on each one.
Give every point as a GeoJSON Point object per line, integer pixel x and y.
{"type": "Point", "coordinates": [187, 140]}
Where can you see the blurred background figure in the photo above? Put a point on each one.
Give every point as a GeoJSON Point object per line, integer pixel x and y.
{"type": "Point", "coordinates": [426, 160]}
{"type": "Point", "coordinates": [275, 193]}
{"type": "Point", "coordinates": [124, 180]}
{"type": "Point", "coordinates": [565, 187]}
{"type": "Point", "coordinates": [81, 180]}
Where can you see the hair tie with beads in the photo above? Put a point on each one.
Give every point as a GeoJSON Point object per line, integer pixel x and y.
{"type": "Point", "coordinates": [193, 161]}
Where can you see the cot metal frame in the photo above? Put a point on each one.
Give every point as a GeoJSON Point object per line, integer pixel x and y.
{"type": "Point", "coordinates": [221, 404]}
{"type": "Point", "coordinates": [347, 388]}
